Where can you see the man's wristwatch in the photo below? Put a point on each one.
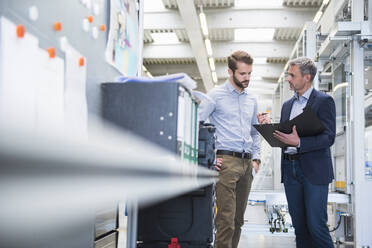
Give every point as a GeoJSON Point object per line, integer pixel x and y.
{"type": "Point", "coordinates": [257, 160]}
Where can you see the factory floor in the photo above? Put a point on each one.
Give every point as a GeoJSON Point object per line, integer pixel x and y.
{"type": "Point", "coordinates": [256, 233]}
{"type": "Point", "coordinates": [249, 239]}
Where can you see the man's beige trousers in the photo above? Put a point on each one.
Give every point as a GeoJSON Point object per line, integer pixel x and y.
{"type": "Point", "coordinates": [232, 192]}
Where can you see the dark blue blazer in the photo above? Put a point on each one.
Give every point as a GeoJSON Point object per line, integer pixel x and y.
{"type": "Point", "coordinates": [315, 154]}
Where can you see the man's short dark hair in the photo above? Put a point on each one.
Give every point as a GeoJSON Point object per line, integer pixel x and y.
{"type": "Point", "coordinates": [239, 56]}
{"type": "Point", "coordinates": [306, 66]}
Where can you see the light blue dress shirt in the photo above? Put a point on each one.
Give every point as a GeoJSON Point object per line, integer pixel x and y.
{"type": "Point", "coordinates": [233, 114]}
{"type": "Point", "coordinates": [297, 108]}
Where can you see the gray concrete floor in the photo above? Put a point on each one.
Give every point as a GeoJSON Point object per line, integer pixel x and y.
{"type": "Point", "coordinates": [256, 240]}
{"type": "Point", "coordinates": [255, 232]}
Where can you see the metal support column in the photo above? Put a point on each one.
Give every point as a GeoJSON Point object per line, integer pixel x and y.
{"type": "Point", "coordinates": [310, 45]}
{"type": "Point", "coordinates": [362, 187]}
{"type": "Point", "coordinates": [370, 14]}
{"type": "Point", "coordinates": [132, 209]}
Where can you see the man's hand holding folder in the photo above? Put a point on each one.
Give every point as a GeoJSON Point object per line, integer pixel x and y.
{"type": "Point", "coordinates": [291, 139]}
{"type": "Point", "coordinates": [288, 133]}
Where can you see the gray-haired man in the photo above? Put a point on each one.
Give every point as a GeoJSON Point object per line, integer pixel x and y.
{"type": "Point", "coordinates": [306, 162]}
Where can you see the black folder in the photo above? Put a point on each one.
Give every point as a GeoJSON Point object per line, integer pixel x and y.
{"type": "Point", "coordinates": [267, 130]}
{"type": "Point", "coordinates": [307, 124]}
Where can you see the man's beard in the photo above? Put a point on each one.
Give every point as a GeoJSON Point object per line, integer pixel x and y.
{"type": "Point", "coordinates": [238, 83]}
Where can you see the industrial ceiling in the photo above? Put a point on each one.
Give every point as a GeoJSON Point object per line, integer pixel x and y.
{"type": "Point", "coordinates": [267, 29]}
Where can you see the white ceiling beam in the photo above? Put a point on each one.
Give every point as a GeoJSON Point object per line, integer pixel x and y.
{"type": "Point", "coordinates": [169, 19]}
{"type": "Point", "coordinates": [192, 26]}
{"type": "Point", "coordinates": [181, 50]}
{"type": "Point", "coordinates": [255, 49]}
{"type": "Point", "coordinates": [261, 70]}
{"type": "Point", "coordinates": [220, 49]}
{"type": "Point", "coordinates": [253, 18]}
{"type": "Point", "coordinates": [233, 18]}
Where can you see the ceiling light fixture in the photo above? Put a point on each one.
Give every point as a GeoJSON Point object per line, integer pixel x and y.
{"type": "Point", "coordinates": [214, 77]}
{"type": "Point", "coordinates": [317, 16]}
{"type": "Point", "coordinates": [211, 64]}
{"type": "Point", "coordinates": [208, 46]}
{"type": "Point", "coordinates": [203, 22]}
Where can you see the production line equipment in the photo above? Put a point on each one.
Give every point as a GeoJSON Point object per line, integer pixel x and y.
{"type": "Point", "coordinates": [166, 114]}
{"type": "Point", "coordinates": [344, 59]}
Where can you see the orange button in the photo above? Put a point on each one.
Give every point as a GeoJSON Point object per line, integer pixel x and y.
{"type": "Point", "coordinates": [21, 31]}
{"type": "Point", "coordinates": [90, 19]}
{"type": "Point", "coordinates": [57, 26]}
{"type": "Point", "coordinates": [81, 61]}
{"type": "Point", "coordinates": [51, 52]}
{"type": "Point", "coordinates": [102, 27]}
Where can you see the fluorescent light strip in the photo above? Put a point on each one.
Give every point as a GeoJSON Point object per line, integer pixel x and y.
{"type": "Point", "coordinates": [203, 23]}
{"type": "Point", "coordinates": [211, 64]}
{"type": "Point", "coordinates": [214, 77]}
{"type": "Point", "coordinates": [208, 46]}
{"type": "Point", "coordinates": [317, 16]}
